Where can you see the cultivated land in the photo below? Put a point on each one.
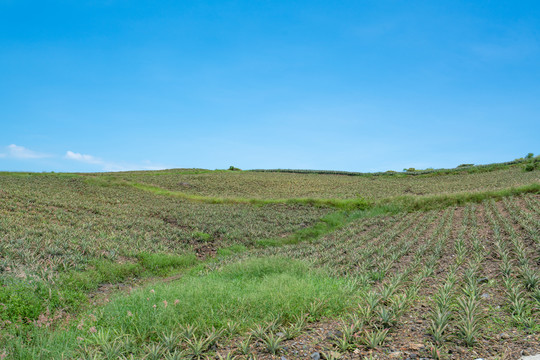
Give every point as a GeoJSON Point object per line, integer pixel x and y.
{"type": "Point", "coordinates": [191, 263]}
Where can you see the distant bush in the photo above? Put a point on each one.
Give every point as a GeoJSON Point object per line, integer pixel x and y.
{"type": "Point", "coordinates": [232, 168]}
{"type": "Point", "coordinates": [532, 163]}
{"type": "Point", "coordinates": [408, 172]}
{"type": "Point", "coordinates": [464, 165]}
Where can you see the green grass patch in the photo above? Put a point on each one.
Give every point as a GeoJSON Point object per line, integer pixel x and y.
{"type": "Point", "coordinates": [247, 292]}
{"type": "Point", "coordinates": [328, 224]}
{"type": "Point", "coordinates": [38, 343]}
{"type": "Point", "coordinates": [24, 300]}
{"type": "Point", "coordinates": [333, 221]}
{"type": "Point", "coordinates": [231, 250]}
{"type": "Point", "coordinates": [201, 236]}
{"type": "Point", "coordinates": [434, 202]}
{"type": "Point", "coordinates": [358, 203]}
{"type": "Point", "coordinates": [100, 272]}
{"type": "Point", "coordinates": [389, 205]}
{"type": "Point", "coordinates": [109, 272]}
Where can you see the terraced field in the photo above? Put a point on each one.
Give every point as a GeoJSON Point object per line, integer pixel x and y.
{"type": "Point", "coordinates": [94, 266]}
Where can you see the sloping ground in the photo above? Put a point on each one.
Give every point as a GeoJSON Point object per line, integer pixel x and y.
{"type": "Point", "coordinates": [64, 222]}
{"type": "Point", "coordinates": [478, 265]}
{"type": "Point", "coordinates": [458, 283]}
{"type": "Point", "coordinates": [62, 237]}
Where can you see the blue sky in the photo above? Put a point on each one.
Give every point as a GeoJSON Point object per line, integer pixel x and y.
{"type": "Point", "coordinates": [346, 85]}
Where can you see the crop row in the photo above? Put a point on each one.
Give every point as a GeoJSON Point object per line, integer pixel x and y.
{"type": "Point", "coordinates": [461, 267]}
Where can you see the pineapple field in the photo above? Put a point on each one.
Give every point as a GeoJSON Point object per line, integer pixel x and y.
{"type": "Point", "coordinates": [228, 264]}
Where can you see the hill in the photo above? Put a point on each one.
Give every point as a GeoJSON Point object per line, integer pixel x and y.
{"type": "Point", "coordinates": [194, 263]}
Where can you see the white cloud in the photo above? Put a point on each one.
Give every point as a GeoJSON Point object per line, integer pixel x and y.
{"type": "Point", "coordinates": [89, 159]}
{"type": "Point", "coordinates": [110, 166]}
{"type": "Point", "coordinates": [20, 152]}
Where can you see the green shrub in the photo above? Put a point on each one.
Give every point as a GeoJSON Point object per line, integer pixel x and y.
{"type": "Point", "coordinates": [20, 300]}
{"type": "Point", "coordinates": [25, 300]}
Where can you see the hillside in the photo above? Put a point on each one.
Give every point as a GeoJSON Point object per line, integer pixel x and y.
{"type": "Point", "coordinates": [192, 263]}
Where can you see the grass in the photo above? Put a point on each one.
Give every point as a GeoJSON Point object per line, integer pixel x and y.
{"type": "Point", "coordinates": [100, 272]}
{"type": "Point", "coordinates": [233, 249]}
{"type": "Point", "coordinates": [423, 203]}
{"type": "Point", "coordinates": [248, 293]}
{"type": "Point", "coordinates": [326, 225]}
{"type": "Point", "coordinates": [27, 300]}
{"type": "Point", "coordinates": [24, 300]}
{"type": "Point", "coordinates": [358, 203]}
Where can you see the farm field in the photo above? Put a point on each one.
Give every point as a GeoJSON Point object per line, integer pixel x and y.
{"type": "Point", "coordinates": [274, 185]}
{"type": "Point", "coordinates": [117, 265]}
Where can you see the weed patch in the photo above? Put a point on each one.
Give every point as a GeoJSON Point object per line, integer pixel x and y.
{"type": "Point", "coordinates": [233, 249]}
{"type": "Point", "coordinates": [22, 301]}
{"type": "Point", "coordinates": [100, 272]}
{"type": "Point", "coordinates": [246, 292]}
